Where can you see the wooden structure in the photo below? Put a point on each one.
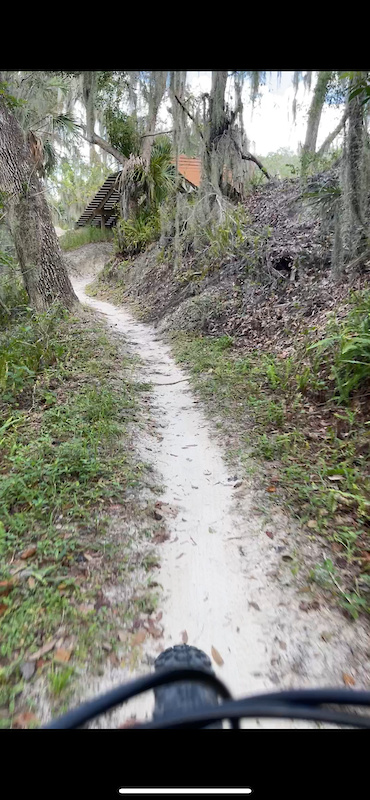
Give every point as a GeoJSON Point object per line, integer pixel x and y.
{"type": "Point", "coordinates": [102, 210]}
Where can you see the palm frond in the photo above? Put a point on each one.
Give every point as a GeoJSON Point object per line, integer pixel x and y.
{"type": "Point", "coordinates": [50, 157]}
{"type": "Point", "coordinates": [65, 125]}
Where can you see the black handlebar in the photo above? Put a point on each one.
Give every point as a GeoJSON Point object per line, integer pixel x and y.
{"type": "Point", "coordinates": [289, 704]}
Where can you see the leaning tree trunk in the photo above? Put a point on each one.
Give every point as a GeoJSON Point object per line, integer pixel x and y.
{"type": "Point", "coordinates": [38, 250]}
{"type": "Point", "coordinates": [314, 116]}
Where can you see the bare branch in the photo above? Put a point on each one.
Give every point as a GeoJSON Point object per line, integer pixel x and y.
{"type": "Point", "coordinates": [191, 117]}
{"type": "Point", "coordinates": [160, 133]}
{"type": "Point", "coordinates": [329, 139]}
{"type": "Point", "coordinates": [95, 139]}
{"type": "Point", "coordinates": [250, 157]}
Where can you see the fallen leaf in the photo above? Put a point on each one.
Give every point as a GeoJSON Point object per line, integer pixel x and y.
{"type": "Point", "coordinates": [23, 720]}
{"type": "Point", "coordinates": [3, 608]}
{"type": "Point", "coordinates": [309, 606]}
{"type": "Point", "coordinates": [6, 587]}
{"type": "Point", "coordinates": [161, 537]}
{"type": "Point", "coordinates": [216, 656]}
{"type": "Point", "coordinates": [122, 636]}
{"type": "Point", "coordinates": [312, 523]}
{"type": "Point", "coordinates": [159, 616]}
{"type": "Point", "coordinates": [28, 669]}
{"type": "Point", "coordinates": [138, 638]}
{"type": "Point", "coordinates": [40, 663]}
{"type": "Point", "coordinates": [271, 489]}
{"type": "Point", "coordinates": [237, 484]}
{"type": "Point", "coordinates": [282, 645]}
{"type": "Point", "coordinates": [335, 477]}
{"type": "Point", "coordinates": [43, 650]}
{"type": "Point", "coordinates": [153, 629]}
{"type": "Point", "coordinates": [62, 655]}
{"type": "Point", "coordinates": [113, 659]}
{"type": "Point", "coordinates": [269, 534]}
{"type": "Point", "coordinates": [348, 680]}
{"type": "Point", "coordinates": [30, 551]}
{"type": "Point", "coordinates": [184, 637]}
{"type": "Point", "coordinates": [31, 583]}
{"type": "Point", "coordinates": [254, 605]}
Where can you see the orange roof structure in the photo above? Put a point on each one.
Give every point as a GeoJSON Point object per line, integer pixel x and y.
{"type": "Point", "coordinates": [190, 169]}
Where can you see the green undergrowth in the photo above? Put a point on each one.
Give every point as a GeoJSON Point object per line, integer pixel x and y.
{"type": "Point", "coordinates": [305, 418]}
{"type": "Point", "coordinates": [76, 238]}
{"type": "Point", "coordinates": [67, 468]}
{"type": "Point", "coordinates": [110, 281]}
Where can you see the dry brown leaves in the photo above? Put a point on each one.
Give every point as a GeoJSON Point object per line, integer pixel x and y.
{"type": "Point", "coordinates": [62, 656]}
{"type": "Point", "coordinates": [29, 552]}
{"type": "Point", "coordinates": [217, 657]}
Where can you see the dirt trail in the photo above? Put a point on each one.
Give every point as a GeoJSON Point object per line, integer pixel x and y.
{"type": "Point", "coordinates": [223, 579]}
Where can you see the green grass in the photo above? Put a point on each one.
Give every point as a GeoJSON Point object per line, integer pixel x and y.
{"type": "Point", "coordinates": [76, 238]}
{"type": "Point", "coordinates": [59, 679]}
{"type": "Point", "coordinates": [293, 413]}
{"type": "Point", "coordinates": [65, 457]}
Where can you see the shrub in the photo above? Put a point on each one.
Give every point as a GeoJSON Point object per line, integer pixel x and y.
{"type": "Point", "coordinates": [349, 348]}
{"type": "Point", "coordinates": [133, 236]}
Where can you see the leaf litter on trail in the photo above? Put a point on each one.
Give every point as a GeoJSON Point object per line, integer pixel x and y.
{"type": "Point", "coordinates": [348, 680]}
{"type": "Point", "coordinates": [23, 720]}
{"type": "Point", "coordinates": [30, 551]}
{"type": "Point", "coordinates": [217, 657]}
{"type": "Point", "coordinates": [153, 629]}
{"type": "Point", "coordinates": [62, 655]}
{"type": "Point", "coordinates": [138, 638]}
{"type": "Point", "coordinates": [46, 648]}
{"type": "Point", "coordinates": [6, 587]}
{"type": "Point", "coordinates": [184, 637]}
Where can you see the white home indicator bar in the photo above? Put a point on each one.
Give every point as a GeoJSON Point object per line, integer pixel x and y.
{"type": "Point", "coordinates": [185, 791]}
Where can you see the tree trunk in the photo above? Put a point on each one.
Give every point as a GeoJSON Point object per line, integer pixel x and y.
{"type": "Point", "coordinates": [329, 139]}
{"type": "Point", "coordinates": [356, 174]}
{"type": "Point", "coordinates": [40, 257]}
{"type": "Point", "coordinates": [212, 169]}
{"type": "Point", "coordinates": [89, 91]}
{"type": "Point", "coordinates": [157, 87]}
{"type": "Point", "coordinates": [314, 116]}
{"type": "Point", "coordinates": [352, 234]}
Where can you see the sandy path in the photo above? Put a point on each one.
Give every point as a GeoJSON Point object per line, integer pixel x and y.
{"type": "Point", "coordinates": [216, 567]}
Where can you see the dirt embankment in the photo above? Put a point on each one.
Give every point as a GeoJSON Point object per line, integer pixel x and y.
{"type": "Point", "coordinates": [262, 294]}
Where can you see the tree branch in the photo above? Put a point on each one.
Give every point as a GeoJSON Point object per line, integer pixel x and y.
{"type": "Point", "coordinates": [329, 139]}
{"type": "Point", "coordinates": [250, 157]}
{"type": "Point", "coordinates": [191, 117]}
{"type": "Point", "coordinates": [95, 139]}
{"type": "Point", "coordinates": [160, 133]}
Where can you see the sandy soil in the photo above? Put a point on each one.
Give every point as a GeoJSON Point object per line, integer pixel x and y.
{"type": "Point", "coordinates": [223, 580]}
